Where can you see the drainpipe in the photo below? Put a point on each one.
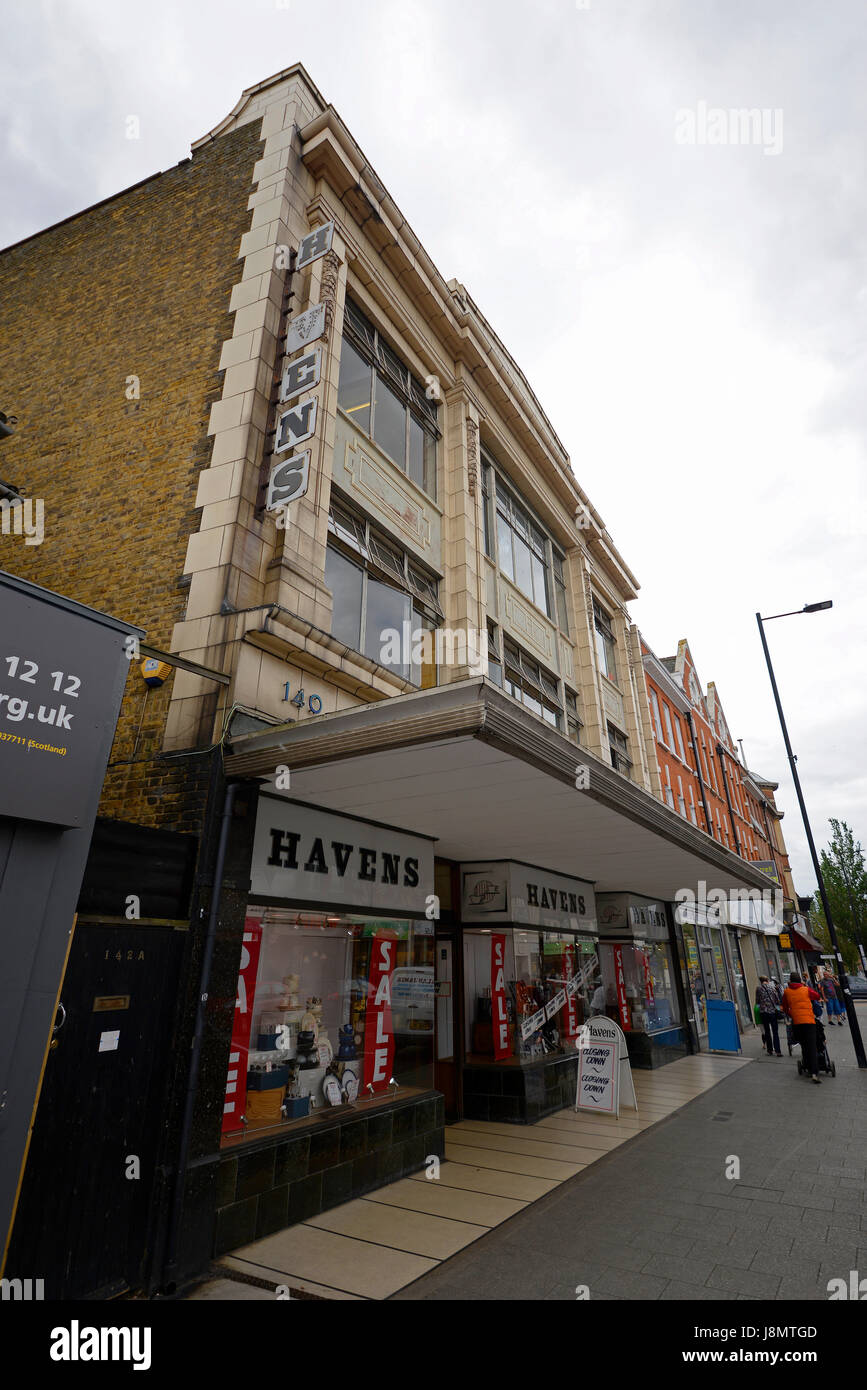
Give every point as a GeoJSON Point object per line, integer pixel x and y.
{"type": "Point", "coordinates": [198, 1034]}
{"type": "Point", "coordinates": [707, 819]}
{"type": "Point", "coordinates": [722, 763]}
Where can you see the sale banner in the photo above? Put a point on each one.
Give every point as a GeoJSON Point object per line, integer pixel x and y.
{"type": "Point", "coordinates": [569, 1028]}
{"type": "Point", "coordinates": [235, 1101]}
{"type": "Point", "coordinates": [648, 980]}
{"type": "Point", "coordinates": [620, 984]}
{"type": "Point", "coordinates": [378, 1025]}
{"type": "Point", "coordinates": [499, 1016]}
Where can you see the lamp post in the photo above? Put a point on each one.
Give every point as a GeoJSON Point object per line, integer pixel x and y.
{"type": "Point", "coordinates": [857, 1040]}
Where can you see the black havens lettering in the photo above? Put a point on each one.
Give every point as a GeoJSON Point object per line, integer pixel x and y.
{"type": "Point", "coordinates": [283, 847]}
{"type": "Point", "coordinates": [573, 903]}
{"type": "Point", "coordinates": [564, 902]}
{"type": "Point", "coordinates": [341, 855]}
{"type": "Point", "coordinates": [410, 873]}
{"type": "Point", "coordinates": [532, 895]}
{"type": "Point", "coordinates": [390, 867]}
{"type": "Point", "coordinates": [581, 908]}
{"type": "Point", "coordinates": [316, 863]}
{"type": "Point", "coordinates": [368, 865]}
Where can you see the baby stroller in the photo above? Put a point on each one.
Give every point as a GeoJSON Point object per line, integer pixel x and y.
{"type": "Point", "coordinates": [823, 1058]}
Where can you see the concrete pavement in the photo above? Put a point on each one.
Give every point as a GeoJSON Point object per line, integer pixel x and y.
{"type": "Point", "coordinates": [658, 1219]}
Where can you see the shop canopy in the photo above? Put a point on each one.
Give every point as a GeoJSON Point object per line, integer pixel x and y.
{"type": "Point", "coordinates": [467, 766]}
{"type": "Point", "coordinates": [803, 941]}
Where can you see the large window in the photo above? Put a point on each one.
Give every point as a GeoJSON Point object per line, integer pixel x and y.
{"type": "Point", "coordinates": [618, 746]}
{"type": "Point", "coordinates": [384, 603]}
{"type": "Point", "coordinates": [385, 400]}
{"type": "Point", "coordinates": [315, 1036]}
{"type": "Point", "coordinates": [545, 970]}
{"type": "Point", "coordinates": [605, 642]}
{"type": "Point", "coordinates": [523, 549]}
{"type": "Point", "coordinates": [525, 680]}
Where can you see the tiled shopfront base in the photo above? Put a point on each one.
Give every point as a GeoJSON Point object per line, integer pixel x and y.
{"type": "Point", "coordinates": [522, 1095]}
{"type": "Point", "coordinates": [519, 1095]}
{"type": "Point", "coordinates": [275, 1183]}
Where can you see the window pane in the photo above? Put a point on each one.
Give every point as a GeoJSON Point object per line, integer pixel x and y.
{"type": "Point", "coordinates": [532, 703]}
{"type": "Point", "coordinates": [540, 587]}
{"type": "Point", "coordinates": [353, 390]}
{"type": "Point", "coordinates": [562, 616]}
{"type": "Point", "coordinates": [504, 542]}
{"type": "Point", "coordinates": [387, 610]}
{"type": "Point", "coordinates": [344, 580]}
{"type": "Point", "coordinates": [422, 456]}
{"type": "Point", "coordinates": [523, 571]}
{"type": "Point", "coordinates": [389, 427]}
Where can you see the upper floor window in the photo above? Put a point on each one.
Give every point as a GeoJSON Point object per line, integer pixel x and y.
{"type": "Point", "coordinates": [385, 400]}
{"type": "Point", "coordinates": [380, 596]}
{"type": "Point", "coordinates": [522, 548]}
{"type": "Point", "coordinates": [654, 705]}
{"type": "Point", "coordinates": [618, 746]}
{"type": "Point", "coordinates": [605, 641]}
{"type": "Point", "coordinates": [525, 680]}
{"type": "Point", "coordinates": [669, 740]}
{"type": "Point", "coordinates": [678, 736]}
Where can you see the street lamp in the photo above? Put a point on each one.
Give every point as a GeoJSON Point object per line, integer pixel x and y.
{"type": "Point", "coordinates": [857, 1040]}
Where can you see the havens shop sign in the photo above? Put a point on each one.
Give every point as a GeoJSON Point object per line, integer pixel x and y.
{"type": "Point", "coordinates": [307, 855]}
{"type": "Point", "coordinates": [506, 891]}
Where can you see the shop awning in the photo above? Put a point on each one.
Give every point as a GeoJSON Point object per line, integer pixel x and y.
{"type": "Point", "coordinates": [803, 941]}
{"type": "Point", "coordinates": [467, 766]}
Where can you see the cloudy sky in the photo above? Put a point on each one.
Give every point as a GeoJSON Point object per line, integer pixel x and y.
{"type": "Point", "coordinates": [690, 308]}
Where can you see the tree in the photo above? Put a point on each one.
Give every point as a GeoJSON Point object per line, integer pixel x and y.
{"type": "Point", "coordinates": [845, 875]}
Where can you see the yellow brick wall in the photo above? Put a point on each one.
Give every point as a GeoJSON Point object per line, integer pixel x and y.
{"type": "Point", "coordinates": [136, 287]}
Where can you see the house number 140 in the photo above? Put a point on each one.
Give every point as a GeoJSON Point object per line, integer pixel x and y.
{"type": "Point", "coordinates": [314, 704]}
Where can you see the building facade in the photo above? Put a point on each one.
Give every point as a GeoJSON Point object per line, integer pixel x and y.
{"type": "Point", "coordinates": [393, 828]}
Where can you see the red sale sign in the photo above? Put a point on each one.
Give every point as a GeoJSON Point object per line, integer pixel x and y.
{"type": "Point", "coordinates": [570, 1015]}
{"type": "Point", "coordinates": [648, 980]}
{"type": "Point", "coordinates": [378, 1030]}
{"type": "Point", "coordinates": [236, 1081]}
{"type": "Point", "coordinates": [620, 983]}
{"type": "Point", "coordinates": [499, 1017]}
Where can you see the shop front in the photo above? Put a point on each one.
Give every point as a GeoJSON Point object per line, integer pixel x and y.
{"type": "Point", "coordinates": [639, 978]}
{"type": "Point", "coordinates": [330, 1084]}
{"type": "Point", "coordinates": [531, 978]}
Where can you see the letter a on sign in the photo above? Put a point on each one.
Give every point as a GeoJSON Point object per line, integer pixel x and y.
{"type": "Point", "coordinates": [499, 1017]}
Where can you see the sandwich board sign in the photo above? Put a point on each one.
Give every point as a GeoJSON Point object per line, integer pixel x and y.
{"type": "Point", "coordinates": [604, 1072]}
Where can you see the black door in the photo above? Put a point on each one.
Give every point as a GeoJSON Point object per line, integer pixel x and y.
{"type": "Point", "coordinates": [82, 1219]}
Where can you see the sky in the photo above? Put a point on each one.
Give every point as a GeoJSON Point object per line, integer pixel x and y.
{"type": "Point", "coordinates": [685, 291]}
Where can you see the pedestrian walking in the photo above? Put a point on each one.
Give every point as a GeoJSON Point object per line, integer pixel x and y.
{"type": "Point", "coordinates": [798, 1000]}
{"type": "Point", "coordinates": [832, 994]}
{"type": "Point", "coordinates": [768, 1003]}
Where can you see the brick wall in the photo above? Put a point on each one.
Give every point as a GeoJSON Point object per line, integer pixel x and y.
{"type": "Point", "coordinates": [138, 287]}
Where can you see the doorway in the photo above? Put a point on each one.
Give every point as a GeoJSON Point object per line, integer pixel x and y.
{"type": "Point", "coordinates": [83, 1212]}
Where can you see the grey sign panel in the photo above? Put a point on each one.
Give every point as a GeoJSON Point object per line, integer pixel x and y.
{"type": "Point", "coordinates": [314, 245]}
{"type": "Point", "coordinates": [288, 481]}
{"type": "Point", "coordinates": [306, 854]}
{"type": "Point", "coordinates": [305, 328]}
{"type": "Point", "coordinates": [56, 710]}
{"type": "Point", "coordinates": [301, 375]}
{"type": "Point", "coordinates": [296, 425]}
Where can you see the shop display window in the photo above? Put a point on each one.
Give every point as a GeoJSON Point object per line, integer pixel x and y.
{"type": "Point", "coordinates": [332, 1012]}
{"type": "Point", "coordinates": [548, 987]}
{"type": "Point", "coordinates": [639, 986]}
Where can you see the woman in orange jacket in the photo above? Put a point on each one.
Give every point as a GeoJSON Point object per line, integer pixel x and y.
{"type": "Point", "coordinates": [798, 1000]}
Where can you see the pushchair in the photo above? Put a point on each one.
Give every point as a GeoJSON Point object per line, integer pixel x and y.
{"type": "Point", "coordinates": [822, 1055]}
